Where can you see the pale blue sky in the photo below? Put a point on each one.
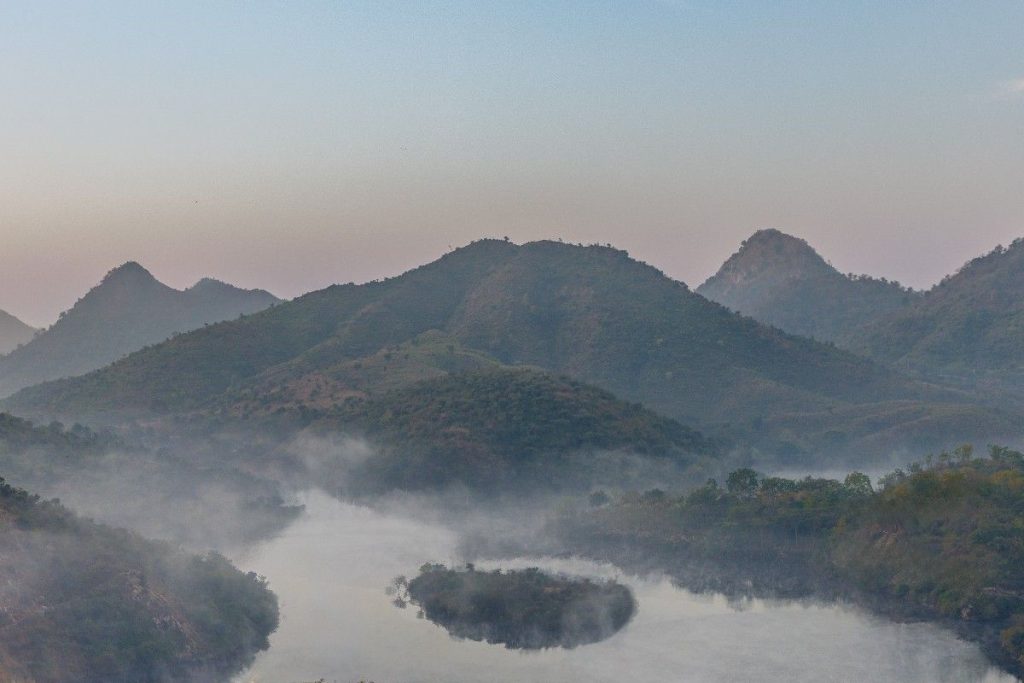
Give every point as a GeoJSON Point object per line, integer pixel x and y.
{"type": "Point", "coordinates": [291, 145]}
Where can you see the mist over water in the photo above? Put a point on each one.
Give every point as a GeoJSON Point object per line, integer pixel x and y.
{"type": "Point", "coordinates": [330, 567]}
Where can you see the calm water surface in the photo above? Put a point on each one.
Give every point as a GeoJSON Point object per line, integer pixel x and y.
{"type": "Point", "coordinates": [330, 568]}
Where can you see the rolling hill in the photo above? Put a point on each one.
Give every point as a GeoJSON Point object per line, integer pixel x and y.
{"type": "Point", "coordinates": [13, 333]}
{"type": "Point", "coordinates": [782, 281]}
{"type": "Point", "coordinates": [128, 310]}
{"type": "Point", "coordinates": [508, 429]}
{"type": "Point", "coordinates": [968, 329]}
{"type": "Point", "coordinates": [591, 313]}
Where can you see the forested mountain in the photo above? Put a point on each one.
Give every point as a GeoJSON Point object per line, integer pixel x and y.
{"type": "Point", "coordinates": [126, 311]}
{"type": "Point", "coordinates": [13, 333]}
{"type": "Point", "coordinates": [85, 602]}
{"type": "Point", "coordinates": [969, 328]}
{"type": "Point", "coordinates": [588, 312]}
{"type": "Point", "coordinates": [782, 281]}
{"type": "Point", "coordinates": [505, 429]}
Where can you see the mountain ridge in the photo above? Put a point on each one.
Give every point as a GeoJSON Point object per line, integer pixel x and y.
{"type": "Point", "coordinates": [967, 329]}
{"type": "Point", "coordinates": [13, 333]}
{"type": "Point", "coordinates": [591, 313]}
{"type": "Point", "coordinates": [126, 311]}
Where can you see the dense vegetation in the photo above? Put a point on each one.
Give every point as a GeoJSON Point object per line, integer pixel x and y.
{"type": "Point", "coordinates": [84, 602]}
{"type": "Point", "coordinates": [941, 541]}
{"type": "Point", "coordinates": [967, 329]}
{"type": "Point", "coordinates": [126, 311]}
{"type": "Point", "coordinates": [780, 280]}
{"type": "Point", "coordinates": [589, 312]}
{"type": "Point", "coordinates": [501, 429]}
{"type": "Point", "coordinates": [524, 609]}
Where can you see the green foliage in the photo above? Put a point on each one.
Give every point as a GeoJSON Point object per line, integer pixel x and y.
{"type": "Point", "coordinates": [967, 329]}
{"type": "Point", "coordinates": [511, 428]}
{"type": "Point", "coordinates": [525, 609]}
{"type": "Point", "coordinates": [90, 603]}
{"type": "Point", "coordinates": [742, 483]}
{"type": "Point", "coordinates": [589, 312]}
{"type": "Point", "coordinates": [944, 540]}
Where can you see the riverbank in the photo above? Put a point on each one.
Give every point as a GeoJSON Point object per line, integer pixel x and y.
{"type": "Point", "coordinates": [941, 543]}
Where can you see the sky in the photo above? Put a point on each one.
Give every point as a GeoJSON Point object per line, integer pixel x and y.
{"type": "Point", "coordinates": [291, 145]}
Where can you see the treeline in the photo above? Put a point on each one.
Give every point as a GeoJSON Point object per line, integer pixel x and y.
{"type": "Point", "coordinates": [943, 540]}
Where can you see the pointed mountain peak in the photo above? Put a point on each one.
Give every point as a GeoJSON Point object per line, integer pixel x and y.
{"type": "Point", "coordinates": [129, 272]}
{"type": "Point", "coordinates": [771, 245]}
{"type": "Point", "coordinates": [770, 253]}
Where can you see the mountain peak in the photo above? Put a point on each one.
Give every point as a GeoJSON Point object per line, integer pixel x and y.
{"type": "Point", "coordinates": [131, 271]}
{"type": "Point", "coordinates": [771, 249]}
{"type": "Point", "coordinates": [781, 280]}
{"type": "Point", "coordinates": [128, 310]}
{"type": "Point", "coordinates": [209, 283]}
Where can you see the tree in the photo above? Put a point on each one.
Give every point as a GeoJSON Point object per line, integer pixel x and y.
{"type": "Point", "coordinates": [742, 482]}
{"type": "Point", "coordinates": [858, 484]}
{"type": "Point", "coordinates": [964, 453]}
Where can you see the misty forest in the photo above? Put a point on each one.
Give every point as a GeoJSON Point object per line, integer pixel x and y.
{"type": "Point", "coordinates": [512, 413]}
{"type": "Point", "coordinates": [596, 451]}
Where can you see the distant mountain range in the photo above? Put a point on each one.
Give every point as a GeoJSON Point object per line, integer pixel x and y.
{"type": "Point", "coordinates": [13, 333]}
{"type": "Point", "coordinates": [591, 313]}
{"type": "Point", "coordinates": [968, 330]}
{"type": "Point", "coordinates": [782, 281]}
{"type": "Point", "coordinates": [127, 311]}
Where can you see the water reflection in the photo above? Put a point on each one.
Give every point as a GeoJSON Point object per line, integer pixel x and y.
{"type": "Point", "coordinates": [337, 623]}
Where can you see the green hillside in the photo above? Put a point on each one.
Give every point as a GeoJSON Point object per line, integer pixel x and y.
{"type": "Point", "coordinates": [589, 312]}
{"type": "Point", "coordinates": [514, 428]}
{"type": "Point", "coordinates": [85, 602]}
{"type": "Point", "coordinates": [968, 329]}
{"type": "Point", "coordinates": [941, 541]}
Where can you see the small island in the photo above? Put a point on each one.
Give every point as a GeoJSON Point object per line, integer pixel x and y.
{"type": "Point", "coordinates": [522, 609]}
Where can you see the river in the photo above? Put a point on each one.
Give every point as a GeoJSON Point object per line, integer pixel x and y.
{"type": "Point", "coordinates": [330, 567]}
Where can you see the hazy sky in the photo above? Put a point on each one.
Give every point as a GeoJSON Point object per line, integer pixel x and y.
{"type": "Point", "coordinates": [290, 145]}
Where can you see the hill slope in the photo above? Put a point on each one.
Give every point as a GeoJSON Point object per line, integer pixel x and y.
{"type": "Point", "coordinates": [969, 328]}
{"type": "Point", "coordinates": [588, 312]}
{"type": "Point", "coordinates": [513, 429]}
{"type": "Point", "coordinates": [780, 280]}
{"type": "Point", "coordinates": [13, 333]}
{"type": "Point", "coordinates": [84, 602]}
{"type": "Point", "coordinates": [126, 311]}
